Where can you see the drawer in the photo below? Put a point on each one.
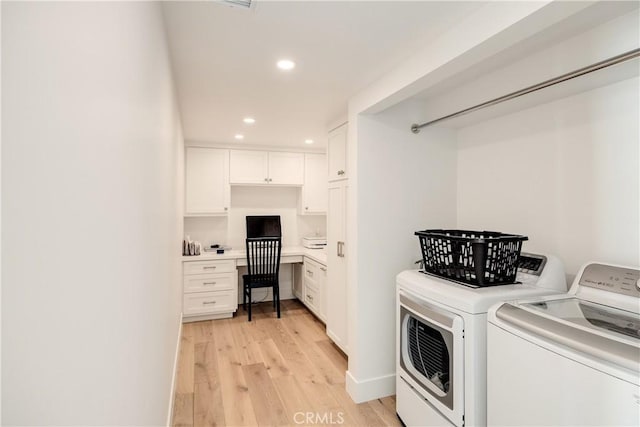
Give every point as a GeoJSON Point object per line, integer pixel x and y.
{"type": "Point", "coordinates": [210, 282]}
{"type": "Point", "coordinates": [311, 270]}
{"type": "Point", "coordinates": [209, 302]}
{"type": "Point", "coordinates": [311, 284]}
{"type": "Point", "coordinates": [312, 298]}
{"type": "Point", "coordinates": [206, 267]}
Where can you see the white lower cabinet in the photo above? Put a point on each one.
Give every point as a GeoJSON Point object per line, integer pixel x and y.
{"type": "Point", "coordinates": [314, 281]}
{"type": "Point", "coordinates": [210, 289]}
{"type": "Point", "coordinates": [203, 303]}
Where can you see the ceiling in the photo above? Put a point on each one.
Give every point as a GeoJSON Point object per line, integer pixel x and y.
{"type": "Point", "coordinates": [224, 60]}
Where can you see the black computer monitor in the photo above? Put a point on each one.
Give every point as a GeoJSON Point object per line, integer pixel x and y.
{"type": "Point", "coordinates": [263, 226]}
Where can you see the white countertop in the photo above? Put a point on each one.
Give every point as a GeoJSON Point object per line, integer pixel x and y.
{"type": "Point", "coordinates": [318, 255]}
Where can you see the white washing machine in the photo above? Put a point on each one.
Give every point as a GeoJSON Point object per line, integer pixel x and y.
{"type": "Point", "coordinates": [441, 344]}
{"type": "Point", "coordinates": [571, 360]}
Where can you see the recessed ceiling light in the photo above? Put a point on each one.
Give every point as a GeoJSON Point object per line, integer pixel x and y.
{"type": "Point", "coordinates": [239, 136]}
{"type": "Point", "coordinates": [249, 120]}
{"type": "Point", "coordinates": [308, 141]}
{"type": "Point", "coordinates": [286, 64]}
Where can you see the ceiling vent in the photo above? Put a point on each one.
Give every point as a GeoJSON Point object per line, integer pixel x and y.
{"type": "Point", "coordinates": [241, 4]}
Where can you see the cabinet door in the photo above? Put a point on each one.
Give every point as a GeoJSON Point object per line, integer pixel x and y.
{"type": "Point", "coordinates": [248, 167]}
{"type": "Point", "coordinates": [286, 168]}
{"type": "Point", "coordinates": [314, 190]}
{"type": "Point", "coordinates": [336, 265]}
{"type": "Point", "coordinates": [337, 151]}
{"type": "Point", "coordinates": [206, 181]}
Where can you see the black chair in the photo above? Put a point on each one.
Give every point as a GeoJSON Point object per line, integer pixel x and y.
{"type": "Point", "coordinates": [263, 264]}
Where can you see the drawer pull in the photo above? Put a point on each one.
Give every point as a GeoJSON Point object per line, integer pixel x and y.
{"type": "Point", "coordinates": [310, 273]}
{"type": "Point", "coordinates": [208, 302]}
{"type": "Point", "coordinates": [208, 267]}
{"type": "Point", "coordinates": [310, 298]}
{"type": "Point", "coordinates": [323, 269]}
{"type": "Point", "coordinates": [209, 283]}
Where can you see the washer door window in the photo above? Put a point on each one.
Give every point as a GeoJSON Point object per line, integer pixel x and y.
{"type": "Point", "coordinates": [431, 347]}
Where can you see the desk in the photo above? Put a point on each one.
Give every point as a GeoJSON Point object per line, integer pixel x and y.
{"type": "Point", "coordinates": [210, 280]}
{"type": "Point", "coordinates": [288, 255]}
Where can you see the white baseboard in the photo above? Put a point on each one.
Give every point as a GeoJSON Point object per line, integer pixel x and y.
{"type": "Point", "coordinates": [175, 375]}
{"type": "Point", "coordinates": [370, 389]}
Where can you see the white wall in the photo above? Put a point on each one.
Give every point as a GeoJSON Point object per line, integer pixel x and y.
{"type": "Point", "coordinates": [406, 183]}
{"type": "Point", "coordinates": [0, 220]}
{"type": "Point", "coordinates": [91, 179]}
{"type": "Point", "coordinates": [564, 173]}
{"type": "Point", "coordinates": [371, 356]}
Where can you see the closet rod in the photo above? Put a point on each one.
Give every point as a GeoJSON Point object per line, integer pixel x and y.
{"type": "Point", "coordinates": [415, 128]}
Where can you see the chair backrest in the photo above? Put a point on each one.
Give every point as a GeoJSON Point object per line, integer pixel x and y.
{"type": "Point", "coordinates": [263, 258]}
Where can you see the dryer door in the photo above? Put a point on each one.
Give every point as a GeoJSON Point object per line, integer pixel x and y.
{"type": "Point", "coordinates": [431, 354]}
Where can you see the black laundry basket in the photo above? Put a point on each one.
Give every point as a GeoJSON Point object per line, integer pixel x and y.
{"type": "Point", "coordinates": [478, 258]}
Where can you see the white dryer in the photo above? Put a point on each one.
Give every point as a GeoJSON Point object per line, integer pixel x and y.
{"type": "Point", "coordinates": [570, 360]}
{"type": "Point", "coordinates": [441, 341]}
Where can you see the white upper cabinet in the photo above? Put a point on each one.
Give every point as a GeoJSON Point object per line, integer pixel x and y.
{"type": "Point", "coordinates": [337, 151]}
{"type": "Point", "coordinates": [286, 168]}
{"type": "Point", "coordinates": [263, 167]}
{"type": "Point", "coordinates": [249, 167]}
{"type": "Point", "coordinates": [207, 190]}
{"type": "Point", "coordinates": [314, 190]}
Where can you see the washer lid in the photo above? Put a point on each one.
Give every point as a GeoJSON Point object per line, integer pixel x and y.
{"type": "Point", "coordinates": [535, 320]}
{"type": "Point", "coordinates": [597, 317]}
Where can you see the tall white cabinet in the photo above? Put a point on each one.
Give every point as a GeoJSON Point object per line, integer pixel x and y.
{"type": "Point", "coordinates": [207, 190]}
{"type": "Point", "coordinates": [336, 241]}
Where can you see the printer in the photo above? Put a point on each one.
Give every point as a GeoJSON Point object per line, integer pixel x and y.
{"type": "Point", "coordinates": [314, 242]}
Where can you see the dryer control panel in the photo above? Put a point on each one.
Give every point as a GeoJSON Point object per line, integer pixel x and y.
{"type": "Point", "coordinates": [619, 280]}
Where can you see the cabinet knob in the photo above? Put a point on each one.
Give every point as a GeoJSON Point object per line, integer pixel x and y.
{"type": "Point", "coordinates": [341, 172]}
{"type": "Point", "coordinates": [306, 207]}
{"type": "Point", "coordinates": [226, 208]}
{"type": "Point", "coordinates": [266, 180]}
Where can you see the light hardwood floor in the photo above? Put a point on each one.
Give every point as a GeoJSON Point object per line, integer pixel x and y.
{"type": "Point", "coordinates": [267, 372]}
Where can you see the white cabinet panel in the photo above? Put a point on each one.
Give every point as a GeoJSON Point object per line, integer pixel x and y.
{"type": "Point", "coordinates": [264, 167]}
{"type": "Point", "coordinates": [322, 286]}
{"type": "Point", "coordinates": [314, 282]}
{"type": "Point", "coordinates": [207, 188]}
{"type": "Point", "coordinates": [248, 167]}
{"type": "Point", "coordinates": [337, 152]}
{"type": "Point", "coordinates": [210, 289]}
{"type": "Point", "coordinates": [209, 282]}
{"type": "Point", "coordinates": [336, 265]}
{"type": "Point", "coordinates": [202, 303]}
{"type": "Point", "coordinates": [286, 168]}
{"type": "Point", "coordinates": [205, 267]}
{"type": "Point", "coordinates": [314, 190]}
